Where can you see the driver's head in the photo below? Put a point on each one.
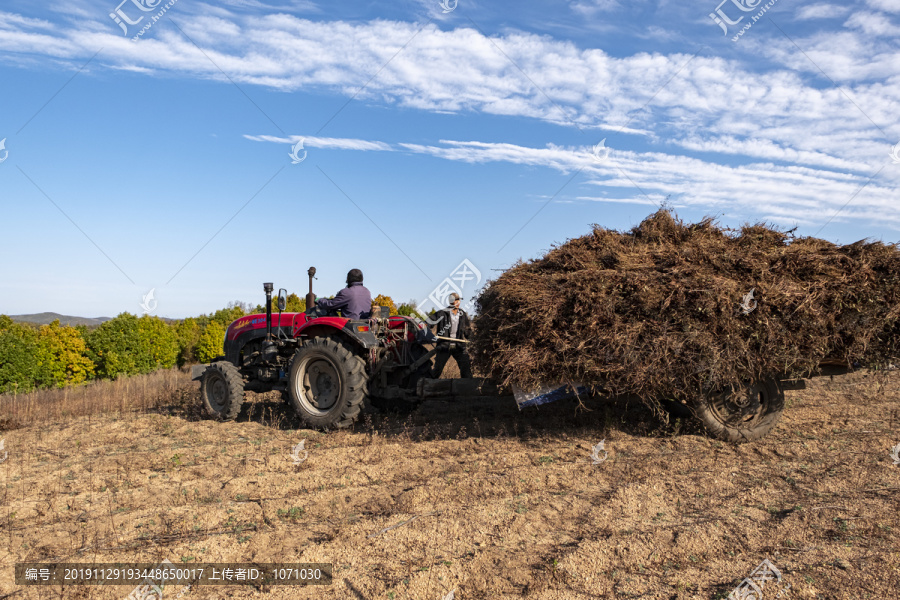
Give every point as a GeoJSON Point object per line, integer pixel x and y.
{"type": "Point", "coordinates": [354, 276]}
{"type": "Point", "coordinates": [454, 300]}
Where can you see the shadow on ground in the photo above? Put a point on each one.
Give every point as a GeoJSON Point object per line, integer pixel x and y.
{"type": "Point", "coordinates": [460, 417]}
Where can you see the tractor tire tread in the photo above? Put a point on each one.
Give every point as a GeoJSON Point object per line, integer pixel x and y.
{"type": "Point", "coordinates": [234, 384]}
{"type": "Point", "coordinates": [354, 381]}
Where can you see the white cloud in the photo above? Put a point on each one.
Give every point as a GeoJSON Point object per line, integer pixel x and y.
{"type": "Point", "coordinates": [632, 200]}
{"type": "Point", "coordinates": [785, 194]}
{"type": "Point", "coordinates": [872, 24]}
{"type": "Point", "coordinates": [12, 21]}
{"type": "Point", "coordinates": [891, 6]}
{"type": "Point", "coordinates": [788, 118]}
{"type": "Point", "coordinates": [592, 7]}
{"type": "Point", "coordinates": [821, 11]}
{"type": "Point", "coordinates": [293, 5]}
{"type": "Point", "coordinates": [322, 142]}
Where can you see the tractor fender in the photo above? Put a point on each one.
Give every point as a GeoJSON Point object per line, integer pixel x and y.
{"type": "Point", "coordinates": [356, 332]}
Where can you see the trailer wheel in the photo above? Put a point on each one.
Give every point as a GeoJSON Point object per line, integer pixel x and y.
{"type": "Point", "coordinates": [327, 383]}
{"type": "Point", "coordinates": [222, 391]}
{"type": "Point", "coordinates": [742, 415]}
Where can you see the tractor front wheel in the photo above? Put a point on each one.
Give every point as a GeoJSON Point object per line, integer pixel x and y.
{"type": "Point", "coordinates": [222, 391]}
{"type": "Point", "coordinates": [742, 415]}
{"type": "Point", "coordinates": [327, 383]}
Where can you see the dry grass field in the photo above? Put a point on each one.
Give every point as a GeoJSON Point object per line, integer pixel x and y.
{"type": "Point", "coordinates": [470, 496]}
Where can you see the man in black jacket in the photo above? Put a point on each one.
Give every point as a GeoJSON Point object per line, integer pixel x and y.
{"type": "Point", "coordinates": [452, 322]}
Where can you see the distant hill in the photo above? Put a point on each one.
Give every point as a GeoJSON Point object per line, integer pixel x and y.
{"type": "Point", "coordinates": [46, 318]}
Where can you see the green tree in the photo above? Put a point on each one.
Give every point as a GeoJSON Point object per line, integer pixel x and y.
{"type": "Point", "coordinates": [294, 304]}
{"type": "Point", "coordinates": [211, 342]}
{"type": "Point", "coordinates": [159, 342]}
{"type": "Point", "coordinates": [408, 309]}
{"type": "Point", "coordinates": [226, 316]}
{"type": "Point", "coordinates": [187, 334]}
{"type": "Point", "coordinates": [128, 345]}
{"type": "Point", "coordinates": [114, 346]}
{"type": "Point", "coordinates": [18, 347]}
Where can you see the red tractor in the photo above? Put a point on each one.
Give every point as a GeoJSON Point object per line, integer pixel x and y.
{"type": "Point", "coordinates": [324, 365]}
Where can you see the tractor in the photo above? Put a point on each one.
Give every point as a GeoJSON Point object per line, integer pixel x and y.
{"type": "Point", "coordinates": [325, 366]}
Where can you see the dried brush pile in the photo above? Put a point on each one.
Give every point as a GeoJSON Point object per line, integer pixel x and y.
{"type": "Point", "coordinates": [657, 311]}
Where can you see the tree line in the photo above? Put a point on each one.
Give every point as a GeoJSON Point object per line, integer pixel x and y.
{"type": "Point", "coordinates": [46, 356]}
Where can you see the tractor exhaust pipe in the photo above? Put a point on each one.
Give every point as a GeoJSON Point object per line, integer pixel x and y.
{"type": "Point", "coordinates": [310, 297]}
{"type": "Point", "coordinates": [268, 287]}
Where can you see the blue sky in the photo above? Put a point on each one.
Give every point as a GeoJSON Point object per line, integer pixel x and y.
{"type": "Point", "coordinates": [431, 134]}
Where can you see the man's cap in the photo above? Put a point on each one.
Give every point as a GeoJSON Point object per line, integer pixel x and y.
{"type": "Point", "coordinates": [453, 298]}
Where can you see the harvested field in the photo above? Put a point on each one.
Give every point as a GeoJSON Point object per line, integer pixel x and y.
{"type": "Point", "coordinates": [482, 499]}
{"type": "Point", "coordinates": [657, 311]}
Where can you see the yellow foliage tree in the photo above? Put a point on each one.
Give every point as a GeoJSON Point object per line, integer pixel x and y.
{"type": "Point", "coordinates": [382, 300]}
{"type": "Point", "coordinates": [210, 343]}
{"type": "Point", "coordinates": [61, 355]}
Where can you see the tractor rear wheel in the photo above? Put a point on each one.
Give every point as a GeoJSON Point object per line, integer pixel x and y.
{"type": "Point", "coordinates": [222, 391]}
{"type": "Point", "coordinates": [742, 415]}
{"type": "Point", "coordinates": [327, 383]}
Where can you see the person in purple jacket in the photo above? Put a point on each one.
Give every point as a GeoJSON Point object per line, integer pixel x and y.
{"type": "Point", "coordinates": [354, 301]}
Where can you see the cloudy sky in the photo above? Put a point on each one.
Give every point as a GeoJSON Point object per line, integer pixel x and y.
{"type": "Point", "coordinates": [198, 150]}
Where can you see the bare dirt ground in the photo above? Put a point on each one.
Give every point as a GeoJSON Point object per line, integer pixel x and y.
{"type": "Point", "coordinates": [479, 498]}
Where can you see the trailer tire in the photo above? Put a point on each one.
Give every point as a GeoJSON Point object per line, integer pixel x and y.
{"type": "Point", "coordinates": [222, 391]}
{"type": "Point", "coordinates": [327, 383]}
{"type": "Point", "coordinates": [742, 415]}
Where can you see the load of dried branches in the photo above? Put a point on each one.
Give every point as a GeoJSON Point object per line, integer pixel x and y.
{"type": "Point", "coordinates": [670, 309]}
